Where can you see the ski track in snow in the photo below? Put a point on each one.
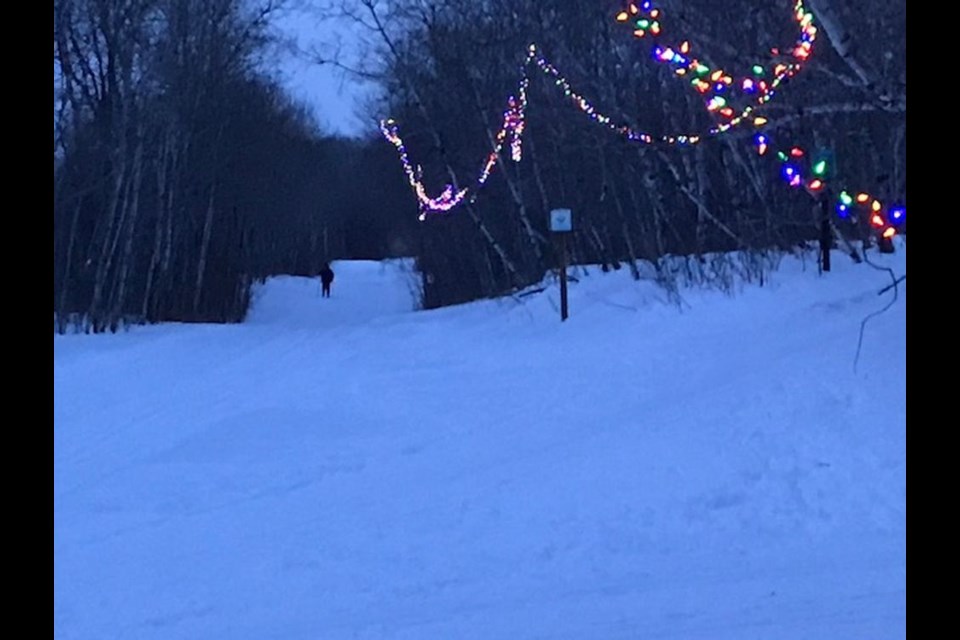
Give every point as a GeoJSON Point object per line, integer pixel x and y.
{"type": "Point", "coordinates": [349, 468]}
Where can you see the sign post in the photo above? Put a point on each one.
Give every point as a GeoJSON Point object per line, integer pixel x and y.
{"type": "Point", "coordinates": [826, 231]}
{"type": "Point", "coordinates": [561, 224]}
{"type": "Point", "coordinates": [823, 165]}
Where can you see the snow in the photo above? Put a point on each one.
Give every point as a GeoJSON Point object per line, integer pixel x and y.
{"type": "Point", "coordinates": [350, 468]}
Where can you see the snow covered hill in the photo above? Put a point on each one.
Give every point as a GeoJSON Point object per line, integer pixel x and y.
{"type": "Point", "coordinates": [352, 469]}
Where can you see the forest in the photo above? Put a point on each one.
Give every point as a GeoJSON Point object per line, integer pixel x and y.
{"type": "Point", "coordinates": [184, 173]}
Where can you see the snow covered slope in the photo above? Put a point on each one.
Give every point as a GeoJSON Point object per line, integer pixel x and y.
{"type": "Point", "coordinates": [349, 468]}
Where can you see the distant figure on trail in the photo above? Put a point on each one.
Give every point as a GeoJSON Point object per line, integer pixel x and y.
{"type": "Point", "coordinates": [326, 279]}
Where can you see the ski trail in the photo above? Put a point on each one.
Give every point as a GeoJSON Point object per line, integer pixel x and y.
{"type": "Point", "coordinates": [346, 468]}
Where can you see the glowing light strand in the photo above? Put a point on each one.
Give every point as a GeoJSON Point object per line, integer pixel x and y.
{"type": "Point", "coordinates": [644, 16]}
{"type": "Point", "coordinates": [447, 200]}
{"type": "Point", "coordinates": [514, 117]}
{"type": "Point", "coordinates": [713, 83]}
{"type": "Point", "coordinates": [884, 220]}
{"type": "Point", "coordinates": [595, 115]}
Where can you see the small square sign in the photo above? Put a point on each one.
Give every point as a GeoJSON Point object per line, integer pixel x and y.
{"type": "Point", "coordinates": [561, 220]}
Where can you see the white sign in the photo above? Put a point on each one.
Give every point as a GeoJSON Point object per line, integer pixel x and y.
{"type": "Point", "coordinates": [561, 220]}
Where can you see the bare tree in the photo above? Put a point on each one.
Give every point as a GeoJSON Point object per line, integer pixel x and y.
{"type": "Point", "coordinates": [445, 67]}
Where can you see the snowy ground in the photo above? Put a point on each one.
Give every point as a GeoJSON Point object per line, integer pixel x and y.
{"type": "Point", "coordinates": [350, 469]}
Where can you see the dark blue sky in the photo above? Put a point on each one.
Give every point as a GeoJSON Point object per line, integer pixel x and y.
{"type": "Point", "coordinates": [332, 94]}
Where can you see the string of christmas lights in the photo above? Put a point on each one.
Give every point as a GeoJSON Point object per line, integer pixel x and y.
{"type": "Point", "coordinates": [647, 17]}
{"type": "Point", "coordinates": [594, 114]}
{"type": "Point", "coordinates": [719, 87]}
{"type": "Point", "coordinates": [451, 196]}
{"type": "Point", "coordinates": [800, 169]}
{"type": "Point", "coordinates": [720, 90]}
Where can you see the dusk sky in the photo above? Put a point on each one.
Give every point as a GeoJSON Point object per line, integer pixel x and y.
{"type": "Point", "coordinates": [331, 93]}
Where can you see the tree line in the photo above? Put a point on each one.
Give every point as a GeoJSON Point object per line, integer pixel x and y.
{"type": "Point", "coordinates": [446, 67]}
{"type": "Point", "coordinates": [184, 174]}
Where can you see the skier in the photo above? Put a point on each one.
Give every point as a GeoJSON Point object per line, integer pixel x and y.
{"type": "Point", "coordinates": [326, 278]}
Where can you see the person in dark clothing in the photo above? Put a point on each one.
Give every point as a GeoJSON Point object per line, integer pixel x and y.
{"type": "Point", "coordinates": [326, 279]}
